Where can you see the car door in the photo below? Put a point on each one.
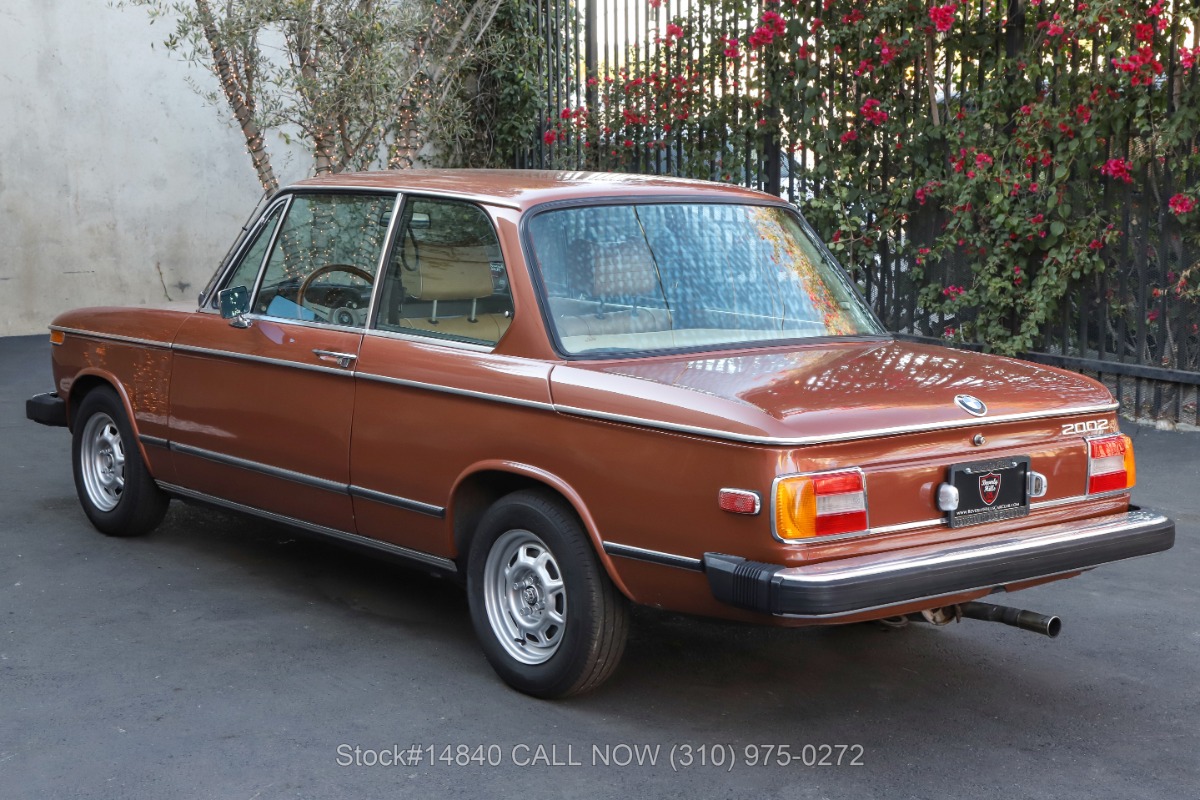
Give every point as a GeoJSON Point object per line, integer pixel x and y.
{"type": "Point", "coordinates": [261, 414]}
{"type": "Point", "coordinates": [433, 399]}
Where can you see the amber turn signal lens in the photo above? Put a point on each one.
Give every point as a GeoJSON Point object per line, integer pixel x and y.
{"type": "Point", "coordinates": [57, 337]}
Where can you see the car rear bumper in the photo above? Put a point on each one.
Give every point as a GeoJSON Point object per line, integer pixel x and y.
{"type": "Point", "coordinates": [47, 409]}
{"type": "Point", "coordinates": [865, 583]}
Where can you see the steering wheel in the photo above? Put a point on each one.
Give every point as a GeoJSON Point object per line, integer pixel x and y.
{"type": "Point", "coordinates": [325, 270]}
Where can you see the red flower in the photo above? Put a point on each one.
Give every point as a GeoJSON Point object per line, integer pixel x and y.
{"type": "Point", "coordinates": [1037, 219]}
{"type": "Point", "coordinates": [982, 160]}
{"type": "Point", "coordinates": [943, 16]}
{"type": "Point", "coordinates": [550, 137]}
{"type": "Point", "coordinates": [849, 136]}
{"type": "Point", "coordinates": [1117, 169]}
{"type": "Point", "coordinates": [870, 111]}
{"type": "Point", "coordinates": [565, 113]}
{"type": "Point", "coordinates": [1181, 204]}
{"type": "Point", "coordinates": [762, 36]}
{"type": "Point", "coordinates": [776, 21]}
{"type": "Point", "coordinates": [887, 53]}
{"type": "Point", "coordinates": [852, 17]}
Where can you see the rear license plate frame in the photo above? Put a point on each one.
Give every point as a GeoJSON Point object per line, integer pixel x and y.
{"type": "Point", "coordinates": [1004, 479]}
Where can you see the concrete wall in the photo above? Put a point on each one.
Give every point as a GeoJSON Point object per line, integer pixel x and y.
{"type": "Point", "coordinates": [118, 185]}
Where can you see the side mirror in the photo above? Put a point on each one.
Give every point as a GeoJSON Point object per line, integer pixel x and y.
{"type": "Point", "coordinates": [235, 302]}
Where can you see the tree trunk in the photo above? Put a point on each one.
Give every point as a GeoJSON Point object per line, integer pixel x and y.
{"type": "Point", "coordinates": [238, 102]}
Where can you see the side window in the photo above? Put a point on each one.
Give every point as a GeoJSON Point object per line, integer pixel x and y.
{"type": "Point", "coordinates": [446, 276]}
{"type": "Point", "coordinates": [323, 264]}
{"type": "Point", "coordinates": [245, 273]}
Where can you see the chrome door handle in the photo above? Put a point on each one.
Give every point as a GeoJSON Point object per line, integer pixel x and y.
{"type": "Point", "coordinates": [343, 360]}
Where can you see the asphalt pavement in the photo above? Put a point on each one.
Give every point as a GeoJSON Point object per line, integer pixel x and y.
{"type": "Point", "coordinates": [222, 657]}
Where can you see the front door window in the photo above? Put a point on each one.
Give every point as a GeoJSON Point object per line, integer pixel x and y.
{"type": "Point", "coordinates": [324, 260]}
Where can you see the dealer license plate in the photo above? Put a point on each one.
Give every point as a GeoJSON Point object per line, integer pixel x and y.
{"type": "Point", "coordinates": [989, 491]}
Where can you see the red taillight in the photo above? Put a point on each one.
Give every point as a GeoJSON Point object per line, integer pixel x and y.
{"type": "Point", "coordinates": [1110, 464]}
{"type": "Point", "coordinates": [823, 504]}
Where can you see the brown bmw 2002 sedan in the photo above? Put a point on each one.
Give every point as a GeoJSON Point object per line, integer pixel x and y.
{"type": "Point", "coordinates": [577, 391]}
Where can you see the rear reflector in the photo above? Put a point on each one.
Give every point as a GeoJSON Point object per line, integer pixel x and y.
{"type": "Point", "coordinates": [739, 501]}
{"type": "Point", "coordinates": [820, 504]}
{"type": "Point", "coordinates": [1110, 464]}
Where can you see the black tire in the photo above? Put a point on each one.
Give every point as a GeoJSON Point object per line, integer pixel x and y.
{"type": "Point", "coordinates": [120, 499]}
{"type": "Point", "coordinates": [583, 652]}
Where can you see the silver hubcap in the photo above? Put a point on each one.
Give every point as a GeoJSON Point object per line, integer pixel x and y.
{"type": "Point", "coordinates": [103, 462]}
{"type": "Point", "coordinates": [525, 597]}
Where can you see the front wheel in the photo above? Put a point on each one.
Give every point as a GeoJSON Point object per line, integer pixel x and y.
{"type": "Point", "coordinates": [550, 621]}
{"type": "Point", "coordinates": [115, 489]}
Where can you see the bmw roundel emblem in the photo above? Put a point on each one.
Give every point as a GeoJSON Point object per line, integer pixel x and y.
{"type": "Point", "coordinates": [971, 404]}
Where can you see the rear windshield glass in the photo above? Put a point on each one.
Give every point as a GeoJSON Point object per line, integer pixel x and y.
{"type": "Point", "coordinates": [668, 276]}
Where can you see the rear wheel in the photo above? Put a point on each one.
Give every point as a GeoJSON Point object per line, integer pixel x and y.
{"type": "Point", "coordinates": [115, 489]}
{"type": "Point", "coordinates": [549, 620]}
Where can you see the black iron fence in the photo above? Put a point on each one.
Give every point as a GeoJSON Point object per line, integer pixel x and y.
{"type": "Point", "coordinates": [1131, 325]}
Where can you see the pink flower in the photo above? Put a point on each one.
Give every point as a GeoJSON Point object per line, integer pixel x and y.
{"type": "Point", "coordinates": [943, 16]}
{"type": "Point", "coordinates": [1181, 204]}
{"type": "Point", "coordinates": [1117, 169]}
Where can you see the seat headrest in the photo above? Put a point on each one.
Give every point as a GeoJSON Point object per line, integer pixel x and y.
{"type": "Point", "coordinates": [623, 269]}
{"type": "Point", "coordinates": [447, 272]}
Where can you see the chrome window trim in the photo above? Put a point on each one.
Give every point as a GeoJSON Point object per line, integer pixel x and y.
{"type": "Point", "coordinates": [188, 349]}
{"type": "Point", "coordinates": [113, 337]}
{"type": "Point", "coordinates": [394, 549]}
{"type": "Point", "coordinates": [801, 441]}
{"type": "Point", "coordinates": [305, 323]}
{"type": "Point", "coordinates": [390, 245]}
{"type": "Point", "coordinates": [384, 251]}
{"type": "Point", "coordinates": [819, 539]}
{"type": "Point", "coordinates": [653, 556]}
{"type": "Point", "coordinates": [231, 264]}
{"type": "Point", "coordinates": [457, 344]}
{"type": "Point", "coordinates": [481, 200]}
{"type": "Point", "coordinates": [417, 506]}
{"type": "Point", "coordinates": [270, 471]}
{"type": "Point", "coordinates": [432, 387]}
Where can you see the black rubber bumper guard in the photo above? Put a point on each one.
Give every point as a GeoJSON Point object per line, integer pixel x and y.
{"type": "Point", "coordinates": [47, 409]}
{"type": "Point", "coordinates": [865, 583]}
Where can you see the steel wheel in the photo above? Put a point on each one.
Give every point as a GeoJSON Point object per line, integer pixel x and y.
{"type": "Point", "coordinates": [115, 489]}
{"type": "Point", "coordinates": [548, 618]}
{"type": "Point", "coordinates": [525, 596]}
{"type": "Point", "coordinates": [102, 461]}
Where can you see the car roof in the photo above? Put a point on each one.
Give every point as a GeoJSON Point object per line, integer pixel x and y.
{"type": "Point", "coordinates": [517, 188]}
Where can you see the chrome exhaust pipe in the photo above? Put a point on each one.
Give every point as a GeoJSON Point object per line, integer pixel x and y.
{"type": "Point", "coordinates": [1025, 620]}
